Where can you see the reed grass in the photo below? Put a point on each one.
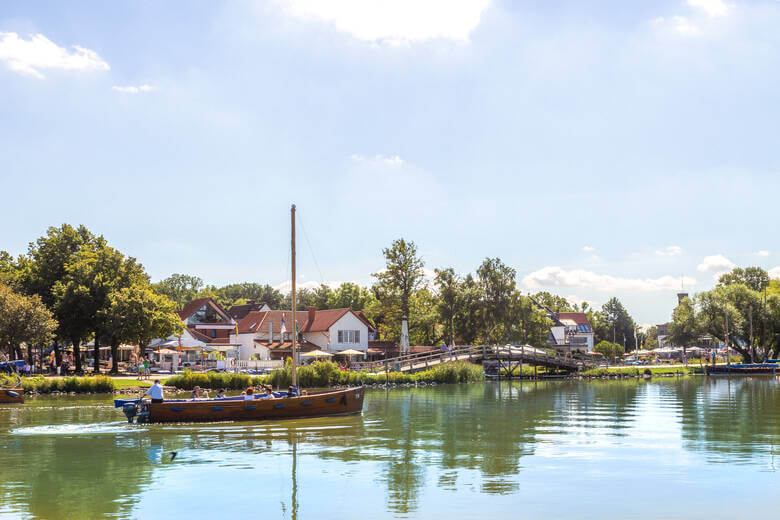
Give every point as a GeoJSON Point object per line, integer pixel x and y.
{"type": "Point", "coordinates": [45, 385]}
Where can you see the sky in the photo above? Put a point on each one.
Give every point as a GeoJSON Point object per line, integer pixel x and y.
{"type": "Point", "coordinates": [602, 148]}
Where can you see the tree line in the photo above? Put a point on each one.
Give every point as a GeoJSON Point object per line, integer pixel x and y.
{"type": "Point", "coordinates": [742, 310]}
{"type": "Point", "coordinates": [484, 307]}
{"type": "Point", "coordinates": [72, 287]}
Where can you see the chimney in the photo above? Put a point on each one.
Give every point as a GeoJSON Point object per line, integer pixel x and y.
{"type": "Point", "coordinates": [680, 297]}
{"type": "Point", "coordinates": [270, 332]}
{"type": "Point", "coordinates": [312, 313]}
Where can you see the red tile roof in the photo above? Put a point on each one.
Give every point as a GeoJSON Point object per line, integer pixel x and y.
{"type": "Point", "coordinates": [258, 320]}
{"type": "Point", "coordinates": [304, 346]}
{"type": "Point", "coordinates": [580, 318]}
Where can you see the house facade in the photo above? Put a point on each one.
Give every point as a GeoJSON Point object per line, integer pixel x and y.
{"type": "Point", "coordinates": [260, 332]}
{"type": "Point", "coordinates": [571, 333]}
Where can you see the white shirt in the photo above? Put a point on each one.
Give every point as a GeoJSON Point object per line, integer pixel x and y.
{"type": "Point", "coordinates": [249, 397]}
{"type": "Point", "coordinates": [155, 391]}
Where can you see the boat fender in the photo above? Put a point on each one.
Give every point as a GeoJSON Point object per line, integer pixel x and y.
{"type": "Point", "coordinates": [11, 394]}
{"type": "Point", "coordinates": [280, 405]}
{"type": "Point", "coordinates": [250, 407]}
{"type": "Point", "coordinates": [330, 400]}
{"type": "Point", "coordinates": [306, 403]}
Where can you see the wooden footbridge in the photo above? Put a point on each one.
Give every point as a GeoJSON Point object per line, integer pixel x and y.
{"type": "Point", "coordinates": [506, 356]}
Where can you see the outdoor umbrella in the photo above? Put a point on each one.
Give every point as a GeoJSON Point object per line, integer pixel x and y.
{"type": "Point", "coordinates": [317, 353]}
{"type": "Point", "coordinates": [350, 352]}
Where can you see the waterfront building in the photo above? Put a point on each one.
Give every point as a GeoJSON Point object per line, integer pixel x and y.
{"type": "Point", "coordinates": [571, 333]}
{"type": "Point", "coordinates": [260, 335]}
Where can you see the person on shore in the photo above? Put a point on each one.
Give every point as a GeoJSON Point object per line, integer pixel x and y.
{"type": "Point", "coordinates": [146, 368]}
{"type": "Point", "coordinates": [195, 393]}
{"type": "Point", "coordinates": [443, 350]}
{"type": "Point", "coordinates": [249, 395]}
{"type": "Point", "coordinates": [155, 392]}
{"type": "Point", "coordinates": [221, 394]}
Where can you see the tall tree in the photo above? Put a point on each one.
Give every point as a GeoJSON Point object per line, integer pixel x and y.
{"type": "Point", "coordinates": [137, 314]}
{"type": "Point", "coordinates": [620, 322]}
{"type": "Point", "coordinates": [349, 295]}
{"type": "Point", "coordinates": [468, 318]}
{"type": "Point", "coordinates": [181, 288]}
{"type": "Point", "coordinates": [449, 286]}
{"type": "Point", "coordinates": [684, 330]}
{"type": "Point", "coordinates": [529, 323]}
{"type": "Point", "coordinates": [47, 260]}
{"type": "Point", "coordinates": [402, 276]}
{"type": "Point", "coordinates": [754, 278]}
{"type": "Point", "coordinates": [23, 319]}
{"type": "Point", "coordinates": [90, 278]}
{"type": "Point", "coordinates": [553, 302]}
{"type": "Point", "coordinates": [497, 282]}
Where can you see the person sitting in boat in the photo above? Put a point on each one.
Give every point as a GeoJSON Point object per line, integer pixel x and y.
{"type": "Point", "coordinates": [250, 394]}
{"type": "Point", "coordinates": [155, 392]}
{"type": "Point", "coordinates": [195, 393]}
{"type": "Point", "coordinates": [221, 394]}
{"type": "Point", "coordinates": [292, 391]}
{"type": "Point", "coordinates": [205, 394]}
{"type": "Point", "coordinates": [269, 392]}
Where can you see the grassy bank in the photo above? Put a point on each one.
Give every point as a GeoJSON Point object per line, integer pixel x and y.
{"type": "Point", "coordinates": [79, 385]}
{"type": "Point", "coordinates": [326, 373]}
{"type": "Point", "coordinates": [640, 371]}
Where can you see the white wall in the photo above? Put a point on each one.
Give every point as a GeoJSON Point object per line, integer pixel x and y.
{"type": "Point", "coordinates": [318, 338]}
{"type": "Point", "coordinates": [348, 322]}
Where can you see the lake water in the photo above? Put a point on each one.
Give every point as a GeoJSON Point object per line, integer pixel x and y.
{"type": "Point", "coordinates": [688, 448]}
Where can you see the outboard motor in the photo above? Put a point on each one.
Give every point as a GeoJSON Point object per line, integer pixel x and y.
{"type": "Point", "coordinates": [130, 410]}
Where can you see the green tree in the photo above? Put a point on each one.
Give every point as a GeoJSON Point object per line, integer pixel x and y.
{"type": "Point", "coordinates": [553, 302]}
{"type": "Point", "coordinates": [530, 324]}
{"type": "Point", "coordinates": [620, 322]}
{"type": "Point", "coordinates": [181, 288]}
{"type": "Point", "coordinates": [422, 325]}
{"type": "Point", "coordinates": [402, 276]}
{"type": "Point", "coordinates": [497, 283]}
{"type": "Point", "coordinates": [468, 318]}
{"type": "Point", "coordinates": [609, 349]}
{"type": "Point", "coordinates": [90, 278]}
{"type": "Point", "coordinates": [45, 267]}
{"type": "Point", "coordinates": [754, 278]}
{"type": "Point", "coordinates": [23, 319]}
{"type": "Point", "coordinates": [137, 314]}
{"type": "Point", "coordinates": [349, 295]}
{"type": "Point", "coordinates": [650, 341]}
{"type": "Point", "coordinates": [683, 329]}
{"type": "Point", "coordinates": [715, 312]}
{"type": "Point", "coordinates": [449, 287]}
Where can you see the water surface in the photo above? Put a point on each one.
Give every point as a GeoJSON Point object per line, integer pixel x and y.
{"type": "Point", "coordinates": [688, 448]}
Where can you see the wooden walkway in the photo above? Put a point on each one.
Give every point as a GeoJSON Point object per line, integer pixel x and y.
{"type": "Point", "coordinates": [505, 355]}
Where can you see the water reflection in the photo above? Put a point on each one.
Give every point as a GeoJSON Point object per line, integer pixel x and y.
{"type": "Point", "coordinates": [413, 452]}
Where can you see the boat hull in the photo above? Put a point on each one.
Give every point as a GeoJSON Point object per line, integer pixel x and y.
{"type": "Point", "coordinates": [11, 395]}
{"type": "Point", "coordinates": [336, 402]}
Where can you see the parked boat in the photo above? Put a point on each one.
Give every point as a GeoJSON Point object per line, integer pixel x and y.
{"type": "Point", "coordinates": [284, 405]}
{"type": "Point", "coordinates": [237, 408]}
{"type": "Point", "coordinates": [755, 369]}
{"type": "Point", "coordinates": [11, 395]}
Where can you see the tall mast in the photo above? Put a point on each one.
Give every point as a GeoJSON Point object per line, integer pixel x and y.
{"type": "Point", "coordinates": [294, 328]}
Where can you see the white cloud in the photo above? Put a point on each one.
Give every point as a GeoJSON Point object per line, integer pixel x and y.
{"type": "Point", "coordinates": [763, 252]}
{"type": "Point", "coordinates": [396, 21]}
{"type": "Point", "coordinates": [681, 24]}
{"type": "Point", "coordinates": [378, 159]}
{"type": "Point", "coordinates": [715, 264]}
{"type": "Point", "coordinates": [669, 251]}
{"type": "Point", "coordinates": [588, 249]}
{"type": "Point", "coordinates": [775, 272]}
{"type": "Point", "coordinates": [134, 90]}
{"type": "Point", "coordinates": [29, 57]}
{"type": "Point", "coordinates": [713, 8]}
{"type": "Point", "coordinates": [559, 277]}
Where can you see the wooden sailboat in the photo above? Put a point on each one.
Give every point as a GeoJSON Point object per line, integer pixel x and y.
{"type": "Point", "coordinates": [284, 405]}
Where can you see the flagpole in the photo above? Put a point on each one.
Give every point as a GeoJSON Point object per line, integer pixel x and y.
{"type": "Point", "coordinates": [294, 328]}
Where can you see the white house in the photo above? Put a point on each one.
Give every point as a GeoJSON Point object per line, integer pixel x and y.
{"type": "Point", "coordinates": [571, 333]}
{"type": "Point", "coordinates": [333, 330]}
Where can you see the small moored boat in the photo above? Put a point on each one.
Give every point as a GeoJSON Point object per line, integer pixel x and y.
{"type": "Point", "coordinates": [11, 395]}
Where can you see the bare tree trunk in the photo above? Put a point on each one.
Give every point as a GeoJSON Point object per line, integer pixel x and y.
{"type": "Point", "coordinates": [97, 354]}
{"type": "Point", "coordinates": [114, 355]}
{"type": "Point", "coordinates": [77, 354]}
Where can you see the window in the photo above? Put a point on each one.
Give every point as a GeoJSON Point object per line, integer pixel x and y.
{"type": "Point", "coordinates": [349, 336]}
{"type": "Point", "coordinates": [213, 333]}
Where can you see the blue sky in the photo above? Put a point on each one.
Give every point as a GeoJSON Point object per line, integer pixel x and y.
{"type": "Point", "coordinates": [604, 149]}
